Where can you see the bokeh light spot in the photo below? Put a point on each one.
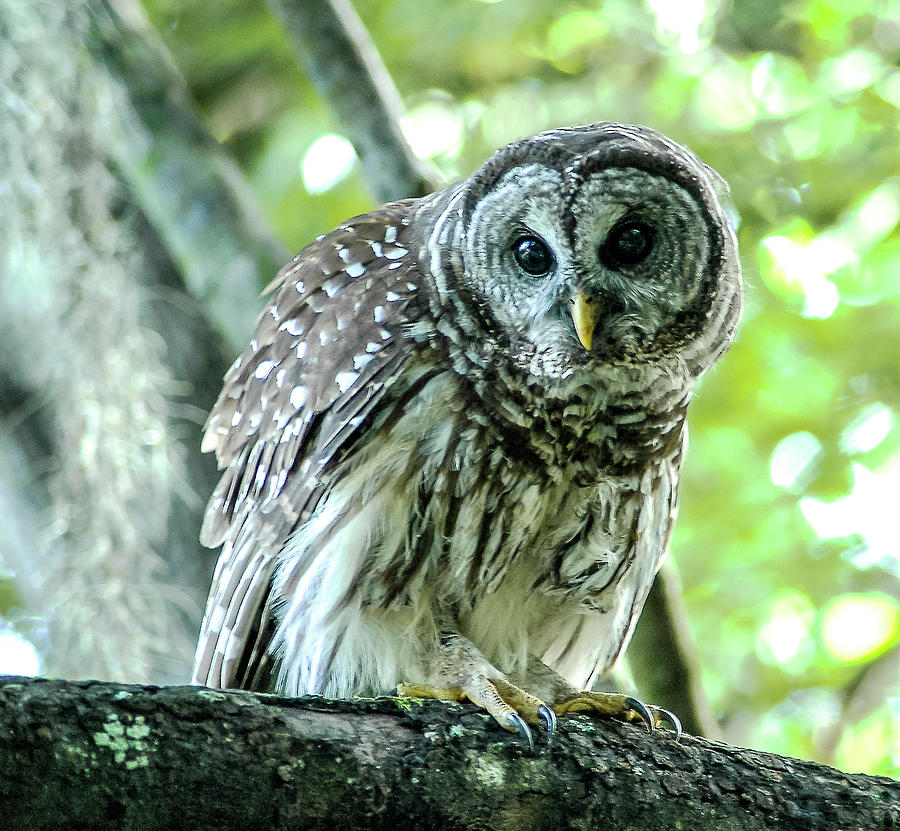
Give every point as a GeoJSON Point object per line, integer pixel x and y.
{"type": "Point", "coordinates": [785, 639]}
{"type": "Point", "coordinates": [869, 510]}
{"type": "Point", "coordinates": [869, 429]}
{"type": "Point", "coordinates": [793, 460]}
{"type": "Point", "coordinates": [798, 272]}
{"type": "Point", "coordinates": [329, 160]}
{"type": "Point", "coordinates": [433, 128]}
{"type": "Point", "coordinates": [18, 655]}
{"type": "Point", "coordinates": [855, 627]}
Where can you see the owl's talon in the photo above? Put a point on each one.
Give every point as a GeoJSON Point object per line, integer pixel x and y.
{"type": "Point", "coordinates": [511, 707]}
{"type": "Point", "coordinates": [518, 724]}
{"type": "Point", "coordinates": [671, 718]}
{"type": "Point", "coordinates": [549, 719]}
{"type": "Point", "coordinates": [642, 710]}
{"type": "Point", "coordinates": [619, 706]}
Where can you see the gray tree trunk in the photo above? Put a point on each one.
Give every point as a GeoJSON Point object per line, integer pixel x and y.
{"type": "Point", "coordinates": [99, 755]}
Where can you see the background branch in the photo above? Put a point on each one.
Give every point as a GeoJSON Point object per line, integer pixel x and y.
{"type": "Point", "coordinates": [182, 179]}
{"type": "Point", "coordinates": [663, 656]}
{"type": "Point", "coordinates": [340, 58]}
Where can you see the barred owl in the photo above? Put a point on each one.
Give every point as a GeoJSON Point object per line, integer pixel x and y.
{"type": "Point", "coordinates": [452, 449]}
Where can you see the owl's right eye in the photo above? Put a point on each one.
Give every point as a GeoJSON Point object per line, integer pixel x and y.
{"type": "Point", "coordinates": [533, 256]}
{"type": "Point", "coordinates": [628, 244]}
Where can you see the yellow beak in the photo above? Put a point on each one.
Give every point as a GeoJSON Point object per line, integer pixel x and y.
{"type": "Point", "coordinates": [584, 318]}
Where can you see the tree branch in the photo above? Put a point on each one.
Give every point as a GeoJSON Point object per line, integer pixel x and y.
{"type": "Point", "coordinates": [341, 60]}
{"type": "Point", "coordinates": [187, 185]}
{"type": "Point", "coordinates": [105, 755]}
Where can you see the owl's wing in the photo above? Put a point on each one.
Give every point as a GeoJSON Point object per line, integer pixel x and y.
{"type": "Point", "coordinates": [325, 351]}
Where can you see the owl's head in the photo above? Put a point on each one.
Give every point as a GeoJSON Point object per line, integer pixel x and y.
{"type": "Point", "coordinates": [599, 245]}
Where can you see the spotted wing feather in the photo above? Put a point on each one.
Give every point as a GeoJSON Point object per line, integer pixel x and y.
{"type": "Point", "coordinates": [325, 350]}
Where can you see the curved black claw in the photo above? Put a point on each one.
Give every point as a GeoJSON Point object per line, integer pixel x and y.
{"type": "Point", "coordinates": [673, 720]}
{"type": "Point", "coordinates": [518, 724]}
{"type": "Point", "coordinates": [549, 718]}
{"type": "Point", "coordinates": [641, 709]}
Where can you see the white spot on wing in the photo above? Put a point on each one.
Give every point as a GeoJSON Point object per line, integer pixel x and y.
{"type": "Point", "coordinates": [236, 418]}
{"type": "Point", "coordinates": [331, 287]}
{"type": "Point", "coordinates": [359, 361]}
{"type": "Point", "coordinates": [261, 473]}
{"type": "Point", "coordinates": [392, 297]}
{"type": "Point", "coordinates": [390, 234]}
{"type": "Point", "coordinates": [376, 249]}
{"type": "Point", "coordinates": [264, 368]}
{"type": "Point", "coordinates": [292, 327]}
{"type": "Point", "coordinates": [299, 395]}
{"type": "Point", "coordinates": [324, 337]}
{"type": "Point", "coordinates": [345, 380]}
{"type": "Point", "coordinates": [395, 253]}
{"type": "Point", "coordinates": [371, 346]}
{"type": "Point", "coordinates": [355, 270]}
{"type": "Point", "coordinates": [379, 314]}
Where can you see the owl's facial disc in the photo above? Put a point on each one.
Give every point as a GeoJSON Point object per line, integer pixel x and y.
{"type": "Point", "coordinates": [594, 269]}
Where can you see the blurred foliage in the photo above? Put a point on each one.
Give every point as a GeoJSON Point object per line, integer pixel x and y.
{"type": "Point", "coordinates": [786, 544]}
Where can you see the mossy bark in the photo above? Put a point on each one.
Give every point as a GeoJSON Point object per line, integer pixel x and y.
{"type": "Point", "coordinates": [103, 755]}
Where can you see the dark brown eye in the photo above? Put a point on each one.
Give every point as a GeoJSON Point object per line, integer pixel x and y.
{"type": "Point", "coordinates": [627, 244]}
{"type": "Point", "coordinates": [533, 256]}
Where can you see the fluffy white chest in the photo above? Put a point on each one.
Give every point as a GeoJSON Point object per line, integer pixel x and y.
{"type": "Point", "coordinates": [433, 526]}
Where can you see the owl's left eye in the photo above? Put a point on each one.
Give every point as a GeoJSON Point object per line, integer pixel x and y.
{"type": "Point", "coordinates": [533, 255]}
{"type": "Point", "coordinates": [627, 244]}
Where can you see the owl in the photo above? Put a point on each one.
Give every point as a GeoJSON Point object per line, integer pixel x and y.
{"type": "Point", "coordinates": [451, 451]}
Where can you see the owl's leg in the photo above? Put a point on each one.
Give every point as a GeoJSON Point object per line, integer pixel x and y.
{"type": "Point", "coordinates": [462, 673]}
{"type": "Point", "coordinates": [565, 699]}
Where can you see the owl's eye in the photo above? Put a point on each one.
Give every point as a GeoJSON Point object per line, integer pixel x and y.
{"type": "Point", "coordinates": [627, 244]}
{"type": "Point", "coordinates": [533, 255]}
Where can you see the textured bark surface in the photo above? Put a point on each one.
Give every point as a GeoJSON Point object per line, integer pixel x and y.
{"type": "Point", "coordinates": [99, 755]}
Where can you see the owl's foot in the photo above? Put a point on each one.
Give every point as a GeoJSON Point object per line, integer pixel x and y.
{"type": "Point", "coordinates": [620, 706]}
{"type": "Point", "coordinates": [510, 706]}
